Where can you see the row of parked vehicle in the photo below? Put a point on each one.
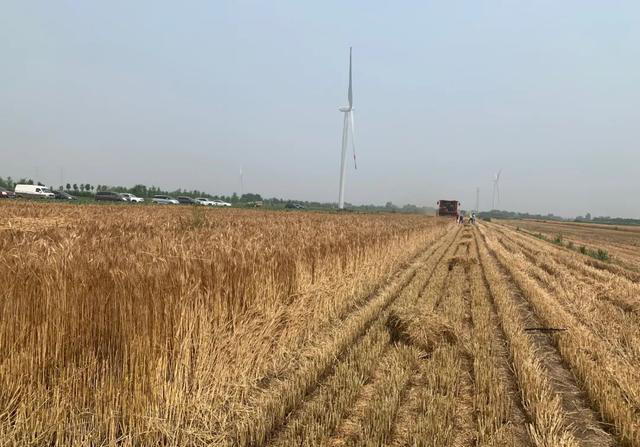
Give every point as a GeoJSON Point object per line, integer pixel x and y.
{"type": "Point", "coordinates": [160, 199]}
{"type": "Point", "coordinates": [42, 192]}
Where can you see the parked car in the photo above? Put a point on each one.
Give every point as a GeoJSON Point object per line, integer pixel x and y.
{"type": "Point", "coordinates": [110, 196]}
{"type": "Point", "coordinates": [217, 202]}
{"type": "Point", "coordinates": [33, 191]}
{"type": "Point", "coordinates": [294, 206]}
{"type": "Point", "coordinates": [187, 200]}
{"type": "Point", "coordinates": [164, 200]}
{"type": "Point", "coordinates": [61, 195]}
{"type": "Point", "coordinates": [205, 201]}
{"type": "Point", "coordinates": [131, 198]}
{"type": "Point", "coordinates": [6, 194]}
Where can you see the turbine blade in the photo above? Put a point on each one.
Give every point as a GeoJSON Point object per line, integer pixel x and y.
{"type": "Point", "coordinates": [350, 86]}
{"type": "Point", "coordinates": [353, 141]}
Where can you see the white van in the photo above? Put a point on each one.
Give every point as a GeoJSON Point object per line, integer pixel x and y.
{"type": "Point", "coordinates": [34, 191]}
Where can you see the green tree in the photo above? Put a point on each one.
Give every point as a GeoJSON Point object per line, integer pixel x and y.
{"type": "Point", "coordinates": [139, 190]}
{"type": "Point", "coordinates": [250, 197]}
{"type": "Point", "coordinates": [68, 187]}
{"type": "Point", "coordinates": [75, 187]}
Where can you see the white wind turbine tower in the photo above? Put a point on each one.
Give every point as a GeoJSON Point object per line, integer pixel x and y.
{"type": "Point", "coordinates": [496, 190]}
{"type": "Point", "coordinates": [347, 130]}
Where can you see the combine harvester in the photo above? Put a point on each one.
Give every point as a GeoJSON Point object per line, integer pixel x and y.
{"type": "Point", "coordinates": [450, 208]}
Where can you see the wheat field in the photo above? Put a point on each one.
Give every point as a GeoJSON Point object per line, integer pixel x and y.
{"type": "Point", "coordinates": [171, 326]}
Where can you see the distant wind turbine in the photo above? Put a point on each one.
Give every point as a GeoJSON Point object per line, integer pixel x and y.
{"type": "Point", "coordinates": [496, 190]}
{"type": "Point", "coordinates": [347, 130]}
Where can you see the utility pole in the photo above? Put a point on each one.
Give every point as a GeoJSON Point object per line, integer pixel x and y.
{"type": "Point", "coordinates": [477, 200]}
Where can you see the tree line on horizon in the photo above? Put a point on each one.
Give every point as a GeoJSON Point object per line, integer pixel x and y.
{"type": "Point", "coordinates": [89, 190]}
{"type": "Point", "coordinates": [587, 218]}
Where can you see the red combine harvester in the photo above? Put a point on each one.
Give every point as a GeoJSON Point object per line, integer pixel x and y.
{"type": "Point", "coordinates": [448, 208]}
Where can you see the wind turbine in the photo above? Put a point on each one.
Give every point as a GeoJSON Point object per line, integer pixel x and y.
{"type": "Point", "coordinates": [496, 190]}
{"type": "Point", "coordinates": [347, 130]}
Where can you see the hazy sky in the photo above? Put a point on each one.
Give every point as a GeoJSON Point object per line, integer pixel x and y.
{"type": "Point", "coordinates": [181, 94]}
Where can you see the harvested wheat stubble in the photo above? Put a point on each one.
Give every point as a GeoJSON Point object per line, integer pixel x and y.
{"type": "Point", "coordinates": [319, 415]}
{"type": "Point", "coordinates": [367, 408]}
{"type": "Point", "coordinates": [623, 371]}
{"type": "Point", "coordinates": [595, 268]}
{"type": "Point", "coordinates": [618, 290]}
{"type": "Point", "coordinates": [422, 330]}
{"type": "Point", "coordinates": [455, 309]}
{"type": "Point", "coordinates": [374, 419]}
{"type": "Point", "coordinates": [499, 415]}
{"type": "Point", "coordinates": [549, 425]}
{"type": "Point", "coordinates": [613, 320]}
{"type": "Point", "coordinates": [437, 408]}
{"type": "Point", "coordinates": [622, 242]}
{"type": "Point", "coordinates": [269, 412]}
{"type": "Point", "coordinates": [349, 429]}
{"type": "Point", "coordinates": [608, 383]}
